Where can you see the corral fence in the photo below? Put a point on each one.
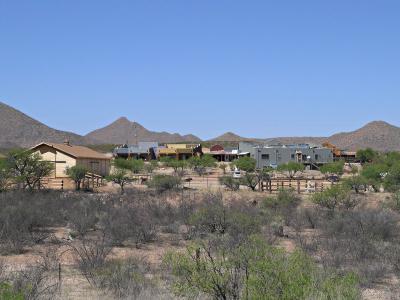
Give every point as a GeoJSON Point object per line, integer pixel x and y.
{"type": "Point", "coordinates": [300, 185]}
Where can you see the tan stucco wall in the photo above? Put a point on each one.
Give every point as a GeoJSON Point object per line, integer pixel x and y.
{"type": "Point", "coordinates": [61, 160]}
{"type": "Point", "coordinates": [96, 166]}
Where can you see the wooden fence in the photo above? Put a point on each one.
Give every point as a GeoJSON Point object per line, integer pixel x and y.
{"type": "Point", "coordinates": [299, 185]}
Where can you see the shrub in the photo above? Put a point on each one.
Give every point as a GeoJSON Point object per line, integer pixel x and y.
{"type": "Point", "coordinates": [229, 182]}
{"type": "Point", "coordinates": [337, 196]}
{"type": "Point", "coordinates": [83, 216]}
{"type": "Point", "coordinates": [77, 174]}
{"type": "Point", "coordinates": [253, 271]}
{"type": "Point", "coordinates": [162, 183]}
{"type": "Point", "coordinates": [123, 278]}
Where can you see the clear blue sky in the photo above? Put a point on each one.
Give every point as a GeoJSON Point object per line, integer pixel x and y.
{"type": "Point", "coordinates": [258, 68]}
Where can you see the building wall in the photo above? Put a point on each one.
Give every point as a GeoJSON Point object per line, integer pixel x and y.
{"type": "Point", "coordinates": [275, 156]}
{"type": "Point", "coordinates": [63, 161]}
{"type": "Point", "coordinates": [60, 160]}
{"type": "Point", "coordinates": [96, 166]}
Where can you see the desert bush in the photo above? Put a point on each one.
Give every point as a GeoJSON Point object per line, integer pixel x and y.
{"type": "Point", "coordinates": [162, 183]}
{"type": "Point", "coordinates": [229, 182]}
{"type": "Point", "coordinates": [129, 222]}
{"type": "Point", "coordinates": [214, 217]}
{"type": "Point", "coordinates": [337, 196]}
{"type": "Point", "coordinates": [83, 215]}
{"type": "Point", "coordinates": [253, 271]}
{"type": "Point", "coordinates": [125, 279]}
{"type": "Point", "coordinates": [91, 256]}
{"type": "Point", "coordinates": [358, 241]}
{"type": "Point", "coordinates": [283, 205]}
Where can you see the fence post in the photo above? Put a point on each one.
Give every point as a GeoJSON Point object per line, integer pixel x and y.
{"type": "Point", "coordinates": [59, 277]}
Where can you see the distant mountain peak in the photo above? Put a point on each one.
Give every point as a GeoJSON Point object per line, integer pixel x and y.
{"type": "Point", "coordinates": [19, 130]}
{"type": "Point", "coordinates": [122, 130]}
{"type": "Point", "coordinates": [229, 137]}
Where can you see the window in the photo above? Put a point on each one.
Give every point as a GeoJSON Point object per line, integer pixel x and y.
{"type": "Point", "coordinates": [316, 156]}
{"type": "Point", "coordinates": [292, 156]}
{"type": "Point", "coordinates": [304, 157]}
{"type": "Point", "coordinates": [265, 156]}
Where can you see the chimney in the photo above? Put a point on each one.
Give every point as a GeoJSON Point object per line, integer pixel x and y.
{"type": "Point", "coordinates": [66, 142]}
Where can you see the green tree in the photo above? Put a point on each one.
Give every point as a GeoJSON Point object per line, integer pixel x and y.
{"type": "Point", "coordinates": [337, 196]}
{"type": "Point", "coordinates": [250, 179]}
{"type": "Point", "coordinates": [247, 164]}
{"type": "Point", "coordinates": [77, 174]}
{"type": "Point", "coordinates": [374, 174]}
{"type": "Point", "coordinates": [28, 168]}
{"type": "Point", "coordinates": [291, 168]}
{"type": "Point", "coordinates": [391, 180]}
{"type": "Point", "coordinates": [179, 166]}
{"type": "Point", "coordinates": [201, 164]}
{"type": "Point", "coordinates": [119, 177]}
{"type": "Point", "coordinates": [366, 155]}
{"type": "Point", "coordinates": [122, 163]}
{"type": "Point", "coordinates": [335, 168]}
{"type": "Point", "coordinates": [137, 166]}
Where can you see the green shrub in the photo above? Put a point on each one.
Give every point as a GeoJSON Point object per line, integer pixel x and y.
{"type": "Point", "coordinates": [162, 183]}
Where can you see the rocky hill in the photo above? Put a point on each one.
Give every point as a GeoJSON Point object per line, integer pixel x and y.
{"type": "Point", "coordinates": [124, 131]}
{"type": "Point", "coordinates": [19, 130]}
{"type": "Point", "coordinates": [378, 135]}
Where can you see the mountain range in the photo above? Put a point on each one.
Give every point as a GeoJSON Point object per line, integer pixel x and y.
{"type": "Point", "coordinates": [19, 130]}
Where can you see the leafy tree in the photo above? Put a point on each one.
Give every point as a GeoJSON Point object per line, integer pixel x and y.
{"type": "Point", "coordinates": [119, 176]}
{"type": "Point", "coordinates": [247, 164]}
{"type": "Point", "coordinates": [178, 165]}
{"type": "Point", "coordinates": [366, 155]}
{"type": "Point", "coordinates": [223, 167]}
{"type": "Point", "coordinates": [392, 179]}
{"type": "Point", "coordinates": [200, 164]}
{"type": "Point", "coordinates": [122, 163]}
{"type": "Point", "coordinates": [337, 196]}
{"type": "Point", "coordinates": [292, 168]}
{"type": "Point", "coordinates": [374, 174]}
{"type": "Point", "coordinates": [133, 165]}
{"type": "Point", "coordinates": [335, 168]}
{"type": "Point", "coordinates": [251, 180]}
{"type": "Point", "coordinates": [137, 166]}
{"type": "Point", "coordinates": [28, 168]}
{"type": "Point", "coordinates": [77, 174]}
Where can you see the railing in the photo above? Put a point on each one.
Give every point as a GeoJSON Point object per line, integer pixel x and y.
{"type": "Point", "coordinates": [299, 185]}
